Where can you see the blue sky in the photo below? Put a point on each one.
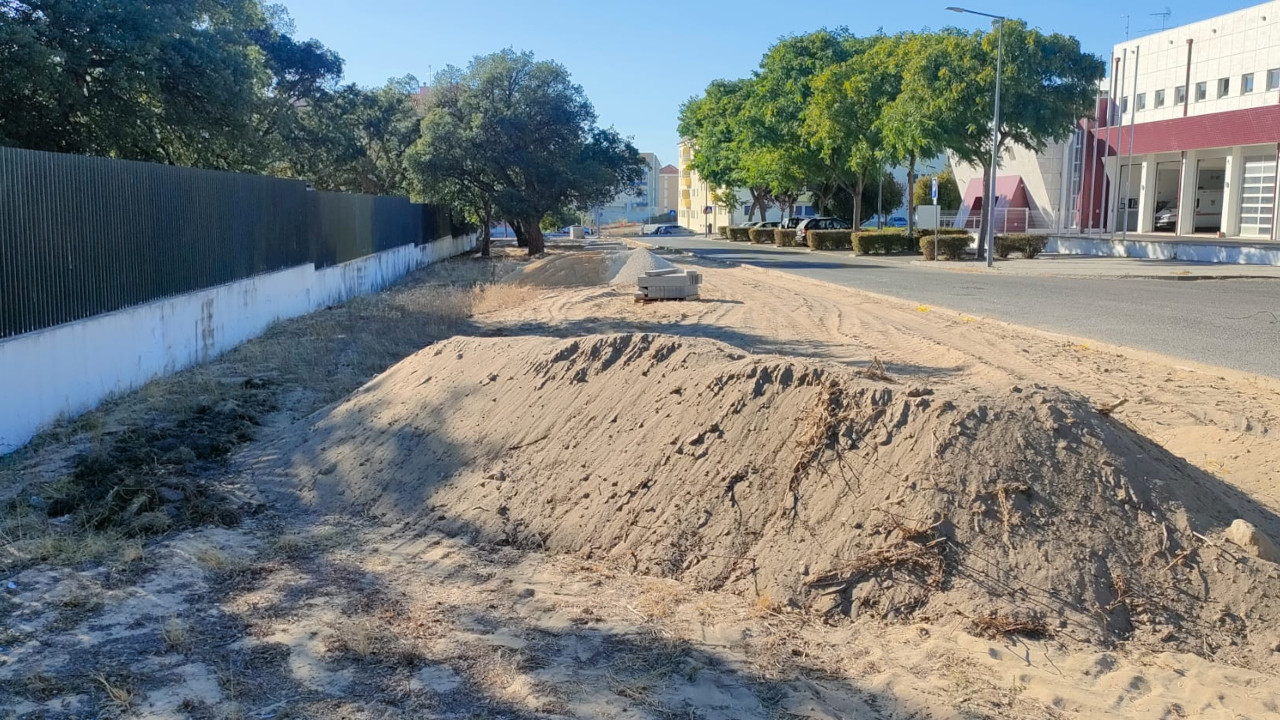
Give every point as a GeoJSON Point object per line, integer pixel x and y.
{"type": "Point", "coordinates": [639, 61]}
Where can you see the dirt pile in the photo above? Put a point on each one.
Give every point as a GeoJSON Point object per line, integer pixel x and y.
{"type": "Point", "coordinates": [807, 484]}
{"type": "Point", "coordinates": [586, 268]}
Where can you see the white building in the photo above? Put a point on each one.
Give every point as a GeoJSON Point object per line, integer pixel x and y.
{"type": "Point", "coordinates": [1186, 143]}
{"type": "Point", "coordinates": [641, 202]}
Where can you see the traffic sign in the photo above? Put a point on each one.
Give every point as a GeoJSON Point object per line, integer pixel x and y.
{"type": "Point", "coordinates": [934, 190]}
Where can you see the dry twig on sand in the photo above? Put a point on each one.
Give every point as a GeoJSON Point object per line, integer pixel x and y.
{"type": "Point", "coordinates": [996, 625]}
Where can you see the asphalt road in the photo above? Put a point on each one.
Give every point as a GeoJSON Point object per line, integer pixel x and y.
{"type": "Point", "coordinates": [1229, 323]}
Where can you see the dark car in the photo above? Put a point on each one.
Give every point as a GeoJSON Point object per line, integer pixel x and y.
{"type": "Point", "coordinates": [819, 223]}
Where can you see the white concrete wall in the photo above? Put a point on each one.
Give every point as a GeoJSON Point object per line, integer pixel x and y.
{"type": "Point", "coordinates": [1227, 46]}
{"type": "Point", "coordinates": [68, 369]}
{"type": "Point", "coordinates": [1157, 250]}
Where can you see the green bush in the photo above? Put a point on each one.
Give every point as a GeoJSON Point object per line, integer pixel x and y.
{"type": "Point", "coordinates": [723, 230]}
{"type": "Point", "coordinates": [950, 245]}
{"type": "Point", "coordinates": [1029, 245]}
{"type": "Point", "coordinates": [761, 236]}
{"type": "Point", "coordinates": [784, 238]}
{"type": "Point", "coordinates": [829, 239]}
{"type": "Point", "coordinates": [739, 234]}
{"type": "Point", "coordinates": [946, 231]}
{"type": "Point", "coordinates": [883, 242]}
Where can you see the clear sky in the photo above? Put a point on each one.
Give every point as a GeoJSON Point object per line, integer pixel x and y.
{"type": "Point", "coordinates": [639, 61]}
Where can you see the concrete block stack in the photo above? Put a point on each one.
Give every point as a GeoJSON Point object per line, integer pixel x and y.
{"type": "Point", "coordinates": [668, 284]}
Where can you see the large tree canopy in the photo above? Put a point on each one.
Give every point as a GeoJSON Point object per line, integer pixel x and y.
{"type": "Point", "coordinates": [828, 112]}
{"type": "Point", "coordinates": [208, 83]}
{"type": "Point", "coordinates": [513, 137]}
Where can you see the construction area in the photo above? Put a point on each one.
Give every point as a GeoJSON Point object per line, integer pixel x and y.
{"type": "Point", "coordinates": [513, 488]}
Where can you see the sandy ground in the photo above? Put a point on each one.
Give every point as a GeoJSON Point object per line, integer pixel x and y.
{"type": "Point", "coordinates": [300, 615]}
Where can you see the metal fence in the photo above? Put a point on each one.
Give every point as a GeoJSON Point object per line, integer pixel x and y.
{"type": "Point", "coordinates": [80, 236]}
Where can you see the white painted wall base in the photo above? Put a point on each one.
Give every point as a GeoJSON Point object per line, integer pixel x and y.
{"type": "Point", "coordinates": [65, 370]}
{"type": "Point", "coordinates": [1229, 253]}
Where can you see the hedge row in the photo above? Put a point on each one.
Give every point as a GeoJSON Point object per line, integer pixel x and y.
{"type": "Point", "coordinates": [950, 245]}
{"type": "Point", "coordinates": [761, 236]}
{"type": "Point", "coordinates": [1029, 245]}
{"type": "Point", "coordinates": [883, 242]}
{"type": "Point", "coordinates": [723, 230]}
{"type": "Point", "coordinates": [829, 239]}
{"type": "Point", "coordinates": [739, 234]}
{"type": "Point", "coordinates": [783, 237]}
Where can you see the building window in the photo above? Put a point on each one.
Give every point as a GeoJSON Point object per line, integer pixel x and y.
{"type": "Point", "coordinates": [1159, 98]}
{"type": "Point", "coordinates": [1224, 87]}
{"type": "Point", "coordinates": [1124, 105]}
{"type": "Point", "coordinates": [1246, 83]}
{"type": "Point", "coordinates": [1140, 102]}
{"type": "Point", "coordinates": [1202, 91]}
{"type": "Point", "coordinates": [1179, 94]}
{"type": "Point", "coordinates": [1273, 79]}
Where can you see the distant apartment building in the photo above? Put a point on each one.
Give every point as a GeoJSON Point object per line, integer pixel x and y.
{"type": "Point", "coordinates": [698, 211]}
{"type": "Point", "coordinates": [668, 190]}
{"type": "Point", "coordinates": [1186, 140]}
{"type": "Point", "coordinates": [639, 202]}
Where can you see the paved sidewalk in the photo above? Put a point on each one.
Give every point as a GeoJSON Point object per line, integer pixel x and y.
{"type": "Point", "coordinates": [1103, 267]}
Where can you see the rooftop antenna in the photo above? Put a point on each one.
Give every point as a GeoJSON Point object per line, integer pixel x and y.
{"type": "Point", "coordinates": [1126, 26]}
{"type": "Point", "coordinates": [1164, 20]}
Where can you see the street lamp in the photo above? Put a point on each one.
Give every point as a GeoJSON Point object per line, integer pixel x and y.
{"type": "Point", "coordinates": [988, 209]}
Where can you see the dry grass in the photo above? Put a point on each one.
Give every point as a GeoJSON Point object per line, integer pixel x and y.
{"type": "Point", "coordinates": [176, 634]}
{"type": "Point", "coordinates": [106, 469]}
{"type": "Point", "coordinates": [995, 625]}
{"type": "Point", "coordinates": [120, 696]}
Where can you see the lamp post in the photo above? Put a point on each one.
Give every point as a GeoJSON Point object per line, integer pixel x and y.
{"type": "Point", "coordinates": [988, 207]}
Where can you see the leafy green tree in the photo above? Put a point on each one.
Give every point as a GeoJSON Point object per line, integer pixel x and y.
{"type": "Point", "coordinates": [355, 139]}
{"type": "Point", "coordinates": [949, 198]}
{"type": "Point", "coordinates": [187, 82]}
{"type": "Point", "coordinates": [514, 137]}
{"type": "Point", "coordinates": [718, 126]}
{"type": "Point", "coordinates": [1047, 84]}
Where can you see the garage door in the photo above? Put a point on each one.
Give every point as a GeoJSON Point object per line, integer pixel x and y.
{"type": "Point", "coordinates": [1258, 197]}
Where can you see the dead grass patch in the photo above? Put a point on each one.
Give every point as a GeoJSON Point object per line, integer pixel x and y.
{"type": "Point", "coordinates": [143, 463]}
{"type": "Point", "coordinates": [996, 625]}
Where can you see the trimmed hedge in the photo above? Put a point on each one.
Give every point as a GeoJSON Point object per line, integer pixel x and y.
{"type": "Point", "coordinates": [739, 234]}
{"type": "Point", "coordinates": [784, 238]}
{"type": "Point", "coordinates": [951, 245]}
{"type": "Point", "coordinates": [723, 230]}
{"type": "Point", "coordinates": [1029, 245]}
{"type": "Point", "coordinates": [829, 239]}
{"type": "Point", "coordinates": [884, 242]}
{"type": "Point", "coordinates": [761, 236]}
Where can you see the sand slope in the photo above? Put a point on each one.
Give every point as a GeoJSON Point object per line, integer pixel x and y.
{"type": "Point", "coordinates": [805, 482]}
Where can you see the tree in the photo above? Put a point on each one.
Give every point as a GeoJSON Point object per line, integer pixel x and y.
{"type": "Point", "coordinates": [514, 137]}
{"type": "Point", "coordinates": [948, 192]}
{"type": "Point", "coordinates": [718, 127]}
{"type": "Point", "coordinates": [1047, 84]}
{"type": "Point", "coordinates": [186, 82]}
{"type": "Point", "coordinates": [786, 149]}
{"type": "Point", "coordinates": [355, 139]}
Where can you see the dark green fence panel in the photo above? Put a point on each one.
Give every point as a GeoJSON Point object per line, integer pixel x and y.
{"type": "Point", "coordinates": [80, 236]}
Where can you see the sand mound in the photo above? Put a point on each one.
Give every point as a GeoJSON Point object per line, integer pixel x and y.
{"type": "Point", "coordinates": [805, 483]}
{"type": "Point", "coordinates": [586, 268]}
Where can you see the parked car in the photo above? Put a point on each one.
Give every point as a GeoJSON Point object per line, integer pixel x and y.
{"type": "Point", "coordinates": [667, 230]}
{"type": "Point", "coordinates": [819, 223]}
{"type": "Point", "coordinates": [791, 223]}
{"type": "Point", "coordinates": [1167, 219]}
{"type": "Point", "coordinates": [893, 221]}
{"type": "Point", "coordinates": [565, 231]}
{"type": "Point", "coordinates": [766, 225]}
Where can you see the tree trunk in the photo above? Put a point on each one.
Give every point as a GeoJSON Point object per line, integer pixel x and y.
{"type": "Point", "coordinates": [522, 238]}
{"type": "Point", "coordinates": [911, 194]}
{"type": "Point", "coordinates": [485, 233]}
{"type": "Point", "coordinates": [857, 201]}
{"type": "Point", "coordinates": [533, 236]}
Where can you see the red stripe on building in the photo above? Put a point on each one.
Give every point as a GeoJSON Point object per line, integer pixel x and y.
{"type": "Point", "coordinates": [1253, 126]}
